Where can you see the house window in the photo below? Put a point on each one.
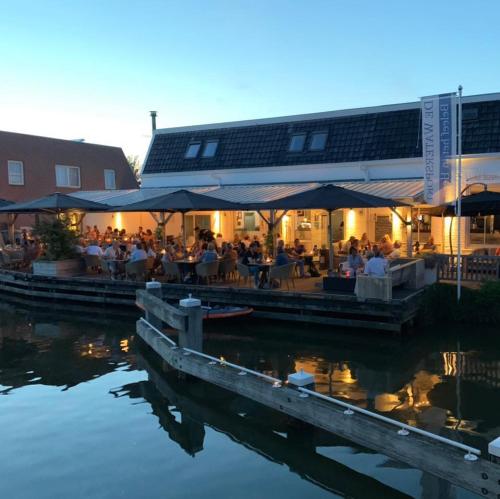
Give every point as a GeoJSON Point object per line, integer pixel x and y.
{"type": "Point", "coordinates": [210, 148]}
{"type": "Point", "coordinates": [109, 179]}
{"type": "Point", "coordinates": [16, 172]}
{"type": "Point", "coordinates": [297, 142]}
{"type": "Point", "coordinates": [67, 176]}
{"type": "Point", "coordinates": [192, 150]}
{"type": "Point", "coordinates": [318, 141]}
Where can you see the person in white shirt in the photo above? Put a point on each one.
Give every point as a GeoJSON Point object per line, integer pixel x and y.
{"type": "Point", "coordinates": [94, 249]}
{"type": "Point", "coordinates": [377, 265]}
{"type": "Point", "coordinates": [138, 254]}
{"type": "Point", "coordinates": [396, 252]}
{"type": "Point", "coordinates": [111, 254]}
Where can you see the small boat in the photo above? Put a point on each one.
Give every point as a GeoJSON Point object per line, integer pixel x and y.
{"type": "Point", "coordinates": [225, 311]}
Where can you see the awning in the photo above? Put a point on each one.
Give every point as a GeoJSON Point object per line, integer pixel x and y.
{"type": "Point", "coordinates": [410, 191]}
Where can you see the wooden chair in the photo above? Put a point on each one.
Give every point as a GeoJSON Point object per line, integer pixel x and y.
{"type": "Point", "coordinates": [243, 272]}
{"type": "Point", "coordinates": [227, 268]}
{"type": "Point", "coordinates": [171, 270]}
{"type": "Point", "coordinates": [136, 269]}
{"type": "Point", "coordinates": [283, 273]}
{"type": "Point", "coordinates": [92, 262]}
{"type": "Point", "coordinates": [207, 270]}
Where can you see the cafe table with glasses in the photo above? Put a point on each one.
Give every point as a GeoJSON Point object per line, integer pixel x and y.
{"type": "Point", "coordinates": [264, 267]}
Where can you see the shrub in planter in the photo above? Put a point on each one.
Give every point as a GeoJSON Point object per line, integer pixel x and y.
{"type": "Point", "coordinates": [57, 239]}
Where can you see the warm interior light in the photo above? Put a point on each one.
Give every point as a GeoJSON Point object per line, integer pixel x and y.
{"type": "Point", "coordinates": [217, 222]}
{"type": "Point", "coordinates": [118, 221]}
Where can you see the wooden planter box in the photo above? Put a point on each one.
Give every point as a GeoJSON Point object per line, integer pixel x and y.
{"type": "Point", "coordinates": [339, 284]}
{"type": "Point", "coordinates": [60, 268]}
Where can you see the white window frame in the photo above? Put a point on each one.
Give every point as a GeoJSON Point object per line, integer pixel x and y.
{"type": "Point", "coordinates": [67, 168]}
{"type": "Point", "coordinates": [106, 171]}
{"type": "Point", "coordinates": [12, 163]}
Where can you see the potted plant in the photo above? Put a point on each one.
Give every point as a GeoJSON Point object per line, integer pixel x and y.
{"type": "Point", "coordinates": [59, 256]}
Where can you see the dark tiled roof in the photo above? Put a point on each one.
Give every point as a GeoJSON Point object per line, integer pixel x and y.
{"type": "Point", "coordinates": [365, 137]}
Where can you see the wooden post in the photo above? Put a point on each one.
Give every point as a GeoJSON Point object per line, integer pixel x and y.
{"type": "Point", "coordinates": [192, 336]}
{"type": "Point", "coordinates": [154, 288]}
{"type": "Point", "coordinates": [409, 233]}
{"type": "Point", "coordinates": [12, 227]}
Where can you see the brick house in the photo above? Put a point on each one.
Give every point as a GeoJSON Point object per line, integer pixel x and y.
{"type": "Point", "coordinates": [33, 166]}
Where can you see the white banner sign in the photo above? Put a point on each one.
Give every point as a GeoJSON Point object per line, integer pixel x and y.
{"type": "Point", "coordinates": [439, 140]}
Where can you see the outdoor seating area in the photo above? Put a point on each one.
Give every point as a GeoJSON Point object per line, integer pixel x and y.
{"type": "Point", "coordinates": [262, 260]}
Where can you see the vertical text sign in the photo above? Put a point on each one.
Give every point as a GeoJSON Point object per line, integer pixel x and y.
{"type": "Point", "coordinates": [438, 144]}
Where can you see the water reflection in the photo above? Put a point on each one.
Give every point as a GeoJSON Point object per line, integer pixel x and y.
{"type": "Point", "coordinates": [424, 382]}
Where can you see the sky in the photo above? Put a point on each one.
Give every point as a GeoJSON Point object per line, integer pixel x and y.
{"type": "Point", "coordinates": [93, 69]}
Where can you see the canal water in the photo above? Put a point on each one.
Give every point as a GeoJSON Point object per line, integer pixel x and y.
{"type": "Point", "coordinates": [86, 411]}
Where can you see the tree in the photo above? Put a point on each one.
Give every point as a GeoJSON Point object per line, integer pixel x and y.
{"type": "Point", "coordinates": [135, 166]}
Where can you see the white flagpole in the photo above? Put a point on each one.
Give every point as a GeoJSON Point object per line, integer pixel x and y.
{"type": "Point", "coordinates": [459, 196]}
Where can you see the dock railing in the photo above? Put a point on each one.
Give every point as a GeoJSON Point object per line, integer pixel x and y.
{"type": "Point", "coordinates": [474, 267]}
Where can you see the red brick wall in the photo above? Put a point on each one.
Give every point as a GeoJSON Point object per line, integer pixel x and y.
{"type": "Point", "coordinates": [40, 155]}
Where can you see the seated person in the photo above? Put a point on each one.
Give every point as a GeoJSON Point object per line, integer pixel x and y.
{"type": "Point", "coordinates": [80, 247]}
{"type": "Point", "coordinates": [364, 242]}
{"type": "Point", "coordinates": [281, 257]}
{"type": "Point", "coordinates": [377, 264]}
{"type": "Point", "coordinates": [429, 245]}
{"type": "Point", "coordinates": [253, 255]}
{"type": "Point", "coordinates": [111, 255]}
{"type": "Point", "coordinates": [210, 255]}
{"type": "Point", "coordinates": [386, 246]}
{"type": "Point", "coordinates": [396, 252]}
{"type": "Point", "coordinates": [138, 253]}
{"type": "Point", "coordinates": [354, 261]}
{"type": "Point", "coordinates": [148, 235]}
{"type": "Point", "coordinates": [150, 249]}
{"type": "Point", "coordinates": [94, 249]}
{"type": "Point", "coordinates": [297, 256]}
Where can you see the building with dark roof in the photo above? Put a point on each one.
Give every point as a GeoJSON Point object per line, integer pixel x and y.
{"type": "Point", "coordinates": [376, 143]}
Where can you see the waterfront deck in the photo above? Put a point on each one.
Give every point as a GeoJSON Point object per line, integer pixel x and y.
{"type": "Point", "coordinates": [306, 303]}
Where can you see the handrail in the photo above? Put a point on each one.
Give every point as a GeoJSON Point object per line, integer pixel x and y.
{"type": "Point", "coordinates": [165, 337]}
{"type": "Point", "coordinates": [276, 382]}
{"type": "Point", "coordinates": [404, 426]}
{"type": "Point", "coordinates": [235, 366]}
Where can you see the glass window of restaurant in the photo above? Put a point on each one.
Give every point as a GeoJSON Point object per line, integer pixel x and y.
{"type": "Point", "coordinates": [484, 230]}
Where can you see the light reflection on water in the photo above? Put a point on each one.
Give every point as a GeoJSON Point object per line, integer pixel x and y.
{"type": "Point", "coordinates": [85, 413]}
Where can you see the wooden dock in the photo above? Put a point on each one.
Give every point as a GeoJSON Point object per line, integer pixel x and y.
{"type": "Point", "coordinates": [439, 456]}
{"type": "Point", "coordinates": [305, 304]}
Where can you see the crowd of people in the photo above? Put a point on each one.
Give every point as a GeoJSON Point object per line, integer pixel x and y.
{"type": "Point", "coordinates": [370, 259]}
{"type": "Point", "coordinates": [114, 247]}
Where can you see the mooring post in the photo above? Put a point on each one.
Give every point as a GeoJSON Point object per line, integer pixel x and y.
{"type": "Point", "coordinates": [192, 336]}
{"type": "Point", "coordinates": [154, 287]}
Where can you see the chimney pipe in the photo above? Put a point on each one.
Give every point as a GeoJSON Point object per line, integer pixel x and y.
{"type": "Point", "coordinates": [153, 120]}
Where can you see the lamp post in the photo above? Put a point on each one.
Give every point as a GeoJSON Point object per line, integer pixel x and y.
{"type": "Point", "coordinates": [459, 197]}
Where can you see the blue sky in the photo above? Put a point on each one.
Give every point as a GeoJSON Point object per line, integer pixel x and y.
{"type": "Point", "coordinates": [93, 69]}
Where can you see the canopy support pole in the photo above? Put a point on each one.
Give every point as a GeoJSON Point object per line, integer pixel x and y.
{"type": "Point", "coordinates": [165, 222]}
{"type": "Point", "coordinates": [272, 214]}
{"type": "Point", "coordinates": [184, 246]}
{"type": "Point", "coordinates": [12, 217]}
{"type": "Point", "coordinates": [263, 217]}
{"type": "Point", "coordinates": [409, 233]}
{"type": "Point", "coordinates": [407, 224]}
{"type": "Point", "coordinates": [330, 243]}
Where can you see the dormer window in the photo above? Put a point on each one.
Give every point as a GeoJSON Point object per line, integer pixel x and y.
{"type": "Point", "coordinates": [318, 141]}
{"type": "Point", "coordinates": [297, 142]}
{"type": "Point", "coordinates": [210, 148]}
{"type": "Point", "coordinates": [192, 150]}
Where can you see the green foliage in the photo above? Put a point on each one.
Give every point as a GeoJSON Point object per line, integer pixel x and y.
{"type": "Point", "coordinates": [57, 238]}
{"type": "Point", "coordinates": [159, 232]}
{"type": "Point", "coordinates": [476, 306]}
{"type": "Point", "coordinates": [269, 243]}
